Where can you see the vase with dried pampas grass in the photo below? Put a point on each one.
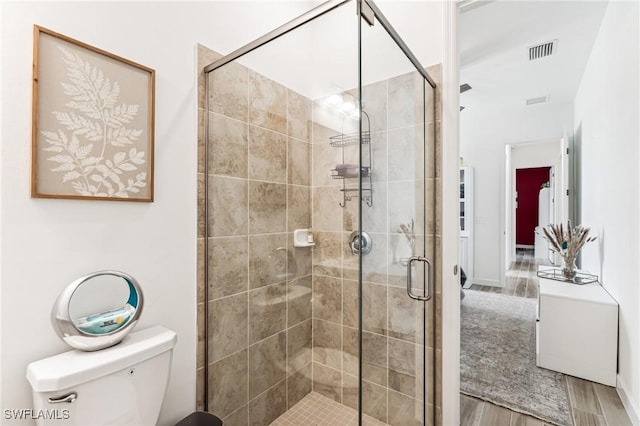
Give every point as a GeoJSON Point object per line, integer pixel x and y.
{"type": "Point", "coordinates": [567, 242]}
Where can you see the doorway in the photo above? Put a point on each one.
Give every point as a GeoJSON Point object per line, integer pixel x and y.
{"type": "Point", "coordinates": [545, 157]}
{"type": "Point", "coordinates": [533, 207]}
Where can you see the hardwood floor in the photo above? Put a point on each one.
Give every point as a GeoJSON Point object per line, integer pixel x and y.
{"type": "Point", "coordinates": [476, 412]}
{"type": "Point", "coordinates": [591, 403]}
{"type": "Point", "coordinates": [520, 278]}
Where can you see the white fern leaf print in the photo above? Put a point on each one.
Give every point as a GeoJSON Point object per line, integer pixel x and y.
{"type": "Point", "coordinates": [95, 120]}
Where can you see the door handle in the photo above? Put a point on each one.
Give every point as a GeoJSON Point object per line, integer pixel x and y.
{"type": "Point", "coordinates": [429, 280]}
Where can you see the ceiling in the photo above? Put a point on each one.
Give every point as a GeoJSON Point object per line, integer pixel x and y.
{"type": "Point", "coordinates": [494, 40]}
{"type": "Point", "coordinates": [494, 37]}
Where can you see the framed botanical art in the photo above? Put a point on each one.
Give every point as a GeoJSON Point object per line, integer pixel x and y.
{"type": "Point", "coordinates": [93, 122]}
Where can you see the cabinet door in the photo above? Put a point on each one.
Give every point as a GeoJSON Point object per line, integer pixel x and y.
{"type": "Point", "coordinates": [578, 338]}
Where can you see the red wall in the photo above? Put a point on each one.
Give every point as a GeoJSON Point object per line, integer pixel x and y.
{"type": "Point", "coordinates": [528, 184]}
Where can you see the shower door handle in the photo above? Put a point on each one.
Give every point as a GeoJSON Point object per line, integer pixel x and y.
{"type": "Point", "coordinates": [427, 286]}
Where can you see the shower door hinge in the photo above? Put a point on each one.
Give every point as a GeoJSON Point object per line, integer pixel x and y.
{"type": "Point", "coordinates": [367, 13]}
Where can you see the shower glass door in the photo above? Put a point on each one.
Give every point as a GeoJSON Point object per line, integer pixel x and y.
{"type": "Point", "coordinates": [396, 220]}
{"type": "Point", "coordinates": [317, 148]}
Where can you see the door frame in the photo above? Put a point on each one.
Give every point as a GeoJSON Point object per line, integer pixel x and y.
{"type": "Point", "coordinates": [508, 219]}
{"type": "Point", "coordinates": [450, 154]}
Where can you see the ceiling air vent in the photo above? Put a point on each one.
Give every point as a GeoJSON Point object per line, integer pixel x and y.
{"type": "Point", "coordinates": [539, 100]}
{"type": "Point", "coordinates": [542, 50]}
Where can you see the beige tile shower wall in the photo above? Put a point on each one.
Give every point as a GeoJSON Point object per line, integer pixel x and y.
{"type": "Point", "coordinates": [259, 343]}
{"type": "Point", "coordinates": [393, 323]}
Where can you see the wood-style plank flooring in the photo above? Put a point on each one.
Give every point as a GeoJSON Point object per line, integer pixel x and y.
{"type": "Point", "coordinates": [591, 403]}
{"type": "Point", "coordinates": [521, 278]}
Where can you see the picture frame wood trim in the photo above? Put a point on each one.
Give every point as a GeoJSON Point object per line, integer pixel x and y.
{"type": "Point", "coordinates": [138, 190]}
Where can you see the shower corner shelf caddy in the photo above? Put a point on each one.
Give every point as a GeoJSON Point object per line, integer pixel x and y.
{"type": "Point", "coordinates": [343, 140]}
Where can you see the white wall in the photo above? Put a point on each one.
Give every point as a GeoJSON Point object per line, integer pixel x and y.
{"type": "Point", "coordinates": [1, 235]}
{"type": "Point", "coordinates": [484, 132]}
{"type": "Point", "coordinates": [606, 121]}
{"type": "Point", "coordinates": [47, 243]}
{"type": "Point", "coordinates": [530, 155]}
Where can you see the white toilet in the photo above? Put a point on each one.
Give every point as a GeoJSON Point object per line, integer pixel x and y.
{"type": "Point", "coordinates": [121, 385]}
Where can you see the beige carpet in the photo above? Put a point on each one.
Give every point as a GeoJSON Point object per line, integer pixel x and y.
{"type": "Point", "coordinates": [498, 360]}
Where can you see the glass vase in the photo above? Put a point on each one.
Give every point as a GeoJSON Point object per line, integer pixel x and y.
{"type": "Point", "coordinates": [569, 268]}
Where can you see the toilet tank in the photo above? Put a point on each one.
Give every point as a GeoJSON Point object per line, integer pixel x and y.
{"type": "Point", "coordinates": [121, 385]}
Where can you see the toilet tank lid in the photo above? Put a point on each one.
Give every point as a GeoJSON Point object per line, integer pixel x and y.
{"type": "Point", "coordinates": [76, 367]}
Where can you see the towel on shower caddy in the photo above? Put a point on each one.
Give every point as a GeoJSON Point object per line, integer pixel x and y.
{"type": "Point", "coordinates": [350, 170]}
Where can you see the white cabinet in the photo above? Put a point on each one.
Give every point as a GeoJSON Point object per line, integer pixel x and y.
{"type": "Point", "coordinates": [577, 330]}
{"type": "Point", "coordinates": [463, 249]}
{"type": "Point", "coordinates": [466, 222]}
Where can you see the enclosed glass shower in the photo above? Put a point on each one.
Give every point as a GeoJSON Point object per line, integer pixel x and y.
{"type": "Point", "coordinates": [318, 224]}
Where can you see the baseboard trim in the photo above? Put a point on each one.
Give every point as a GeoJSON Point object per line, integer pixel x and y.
{"type": "Point", "coordinates": [633, 411]}
{"type": "Point", "coordinates": [482, 281]}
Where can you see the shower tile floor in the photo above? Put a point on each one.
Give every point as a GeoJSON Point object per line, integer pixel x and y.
{"type": "Point", "coordinates": [318, 410]}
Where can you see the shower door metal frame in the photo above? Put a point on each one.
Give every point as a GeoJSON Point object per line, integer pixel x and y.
{"type": "Point", "coordinates": [309, 16]}
{"type": "Point", "coordinates": [278, 32]}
